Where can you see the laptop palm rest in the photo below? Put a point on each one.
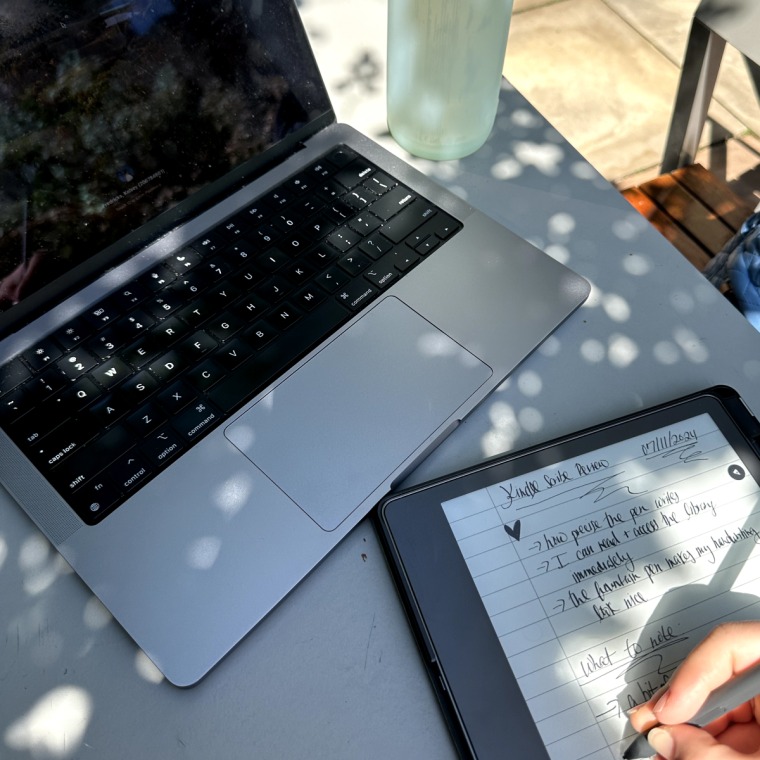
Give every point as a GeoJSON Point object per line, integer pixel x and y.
{"type": "Point", "coordinates": [383, 387]}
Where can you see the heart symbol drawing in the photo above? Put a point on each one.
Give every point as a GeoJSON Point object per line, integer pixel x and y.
{"type": "Point", "coordinates": [514, 531]}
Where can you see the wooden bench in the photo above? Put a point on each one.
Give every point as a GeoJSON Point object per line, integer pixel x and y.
{"type": "Point", "coordinates": [693, 209]}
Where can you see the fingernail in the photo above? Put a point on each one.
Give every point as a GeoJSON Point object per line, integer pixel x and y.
{"type": "Point", "coordinates": [632, 710]}
{"type": "Point", "coordinates": [660, 704]}
{"type": "Point", "coordinates": [661, 742]}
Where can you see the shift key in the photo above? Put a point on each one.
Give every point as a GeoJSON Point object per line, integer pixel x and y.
{"type": "Point", "coordinates": [405, 223]}
{"type": "Point", "coordinates": [82, 466]}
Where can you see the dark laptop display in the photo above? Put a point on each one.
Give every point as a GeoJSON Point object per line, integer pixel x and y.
{"type": "Point", "coordinates": [116, 114]}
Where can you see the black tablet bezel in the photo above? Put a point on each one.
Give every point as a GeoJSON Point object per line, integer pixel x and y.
{"type": "Point", "coordinates": [478, 692]}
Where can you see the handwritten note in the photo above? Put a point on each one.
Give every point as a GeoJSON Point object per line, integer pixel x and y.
{"type": "Point", "coordinates": [600, 573]}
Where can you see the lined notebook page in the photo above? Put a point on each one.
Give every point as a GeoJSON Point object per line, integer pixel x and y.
{"type": "Point", "coordinates": [600, 573]}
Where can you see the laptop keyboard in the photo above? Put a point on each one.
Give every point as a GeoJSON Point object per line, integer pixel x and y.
{"type": "Point", "coordinates": [102, 405]}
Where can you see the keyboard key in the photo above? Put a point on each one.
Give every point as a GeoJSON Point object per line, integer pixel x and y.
{"type": "Point", "coordinates": [443, 226]}
{"type": "Point", "coordinates": [15, 405]}
{"type": "Point", "coordinates": [93, 500]}
{"type": "Point", "coordinates": [365, 224]}
{"type": "Point", "coordinates": [138, 388]}
{"type": "Point", "coordinates": [133, 325]}
{"type": "Point", "coordinates": [108, 411]}
{"type": "Point", "coordinates": [162, 305]}
{"type": "Point", "coordinates": [76, 363]}
{"type": "Point", "coordinates": [206, 374]}
{"type": "Point", "coordinates": [161, 446]}
{"type": "Point", "coordinates": [357, 294]}
{"type": "Point", "coordinates": [332, 279]}
{"type": "Point", "coordinates": [105, 343]}
{"type": "Point", "coordinates": [224, 326]}
{"type": "Point", "coordinates": [309, 298]}
{"type": "Point", "coordinates": [198, 344]}
{"type": "Point", "coordinates": [73, 333]}
{"type": "Point", "coordinates": [344, 238]}
{"type": "Point", "coordinates": [354, 172]}
{"type": "Point", "coordinates": [111, 372]}
{"type": "Point", "coordinates": [77, 396]}
{"type": "Point", "coordinates": [375, 246]}
{"type": "Point", "coordinates": [405, 223]}
{"type": "Point", "coordinates": [148, 417]}
{"type": "Point", "coordinates": [177, 396]}
{"type": "Point", "coordinates": [128, 296]}
{"type": "Point", "coordinates": [13, 374]}
{"type": "Point", "coordinates": [42, 353]}
{"type": "Point", "coordinates": [142, 352]}
{"type": "Point", "coordinates": [103, 313]}
{"type": "Point", "coordinates": [157, 278]}
{"type": "Point", "coordinates": [54, 448]}
{"type": "Point", "coordinates": [403, 259]}
{"type": "Point", "coordinates": [129, 471]}
{"type": "Point", "coordinates": [183, 261]}
{"type": "Point", "coordinates": [381, 275]}
{"type": "Point", "coordinates": [196, 420]}
{"type": "Point", "coordinates": [284, 316]}
{"type": "Point", "coordinates": [354, 263]}
{"type": "Point", "coordinates": [379, 183]}
{"type": "Point", "coordinates": [233, 354]}
{"type": "Point", "coordinates": [260, 334]}
{"type": "Point", "coordinates": [321, 256]}
{"type": "Point", "coordinates": [169, 331]}
{"type": "Point", "coordinates": [251, 307]}
{"type": "Point", "coordinates": [392, 202]}
{"type": "Point", "coordinates": [275, 289]}
{"type": "Point", "coordinates": [168, 366]}
{"type": "Point", "coordinates": [272, 260]}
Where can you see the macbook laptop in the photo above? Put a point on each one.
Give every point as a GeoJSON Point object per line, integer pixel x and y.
{"type": "Point", "coordinates": [229, 324]}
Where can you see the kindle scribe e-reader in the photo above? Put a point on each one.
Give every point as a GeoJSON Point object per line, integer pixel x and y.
{"type": "Point", "coordinates": [554, 588]}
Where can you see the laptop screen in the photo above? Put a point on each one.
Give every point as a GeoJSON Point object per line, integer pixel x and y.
{"type": "Point", "coordinates": [113, 113]}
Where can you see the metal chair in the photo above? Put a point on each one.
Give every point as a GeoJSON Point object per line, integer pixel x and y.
{"type": "Point", "coordinates": [715, 23]}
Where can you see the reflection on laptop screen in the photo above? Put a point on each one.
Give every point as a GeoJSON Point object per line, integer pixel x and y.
{"type": "Point", "coordinates": [112, 113]}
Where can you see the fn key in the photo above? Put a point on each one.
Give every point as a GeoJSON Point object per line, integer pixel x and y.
{"type": "Point", "coordinates": [94, 500]}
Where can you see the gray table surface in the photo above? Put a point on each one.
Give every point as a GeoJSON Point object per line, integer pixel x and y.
{"type": "Point", "coordinates": [333, 672]}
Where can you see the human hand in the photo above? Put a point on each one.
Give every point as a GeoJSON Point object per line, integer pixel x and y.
{"type": "Point", "coordinates": [13, 286]}
{"type": "Point", "coordinates": [728, 650]}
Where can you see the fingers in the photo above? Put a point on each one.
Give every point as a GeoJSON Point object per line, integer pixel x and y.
{"type": "Point", "coordinates": [729, 649]}
{"type": "Point", "coordinates": [688, 743]}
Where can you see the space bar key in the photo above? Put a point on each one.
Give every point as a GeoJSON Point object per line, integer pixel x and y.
{"type": "Point", "coordinates": [256, 373]}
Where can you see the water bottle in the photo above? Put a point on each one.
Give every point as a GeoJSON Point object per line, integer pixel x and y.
{"type": "Point", "coordinates": [445, 59]}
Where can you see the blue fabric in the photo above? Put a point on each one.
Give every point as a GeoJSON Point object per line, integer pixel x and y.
{"type": "Point", "coordinates": [739, 264]}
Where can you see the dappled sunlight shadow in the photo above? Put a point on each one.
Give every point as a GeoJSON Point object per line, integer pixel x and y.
{"type": "Point", "coordinates": [40, 564]}
{"type": "Point", "coordinates": [232, 495]}
{"type": "Point", "coordinates": [146, 669]}
{"type": "Point", "coordinates": [203, 552]}
{"type": "Point", "coordinates": [55, 726]}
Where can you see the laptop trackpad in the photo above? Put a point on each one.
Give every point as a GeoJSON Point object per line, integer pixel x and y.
{"type": "Point", "coordinates": [342, 424]}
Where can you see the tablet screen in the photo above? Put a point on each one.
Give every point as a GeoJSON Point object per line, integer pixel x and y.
{"type": "Point", "coordinates": [601, 571]}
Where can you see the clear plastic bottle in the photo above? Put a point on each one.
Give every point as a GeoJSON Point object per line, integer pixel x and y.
{"type": "Point", "coordinates": [445, 59]}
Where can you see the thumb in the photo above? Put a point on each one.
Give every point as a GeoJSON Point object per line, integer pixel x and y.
{"type": "Point", "coordinates": [685, 742]}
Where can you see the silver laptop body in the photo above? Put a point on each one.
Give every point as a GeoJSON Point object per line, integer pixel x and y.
{"type": "Point", "coordinates": [192, 560]}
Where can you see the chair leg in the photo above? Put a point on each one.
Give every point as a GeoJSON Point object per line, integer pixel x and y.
{"type": "Point", "coordinates": [704, 51]}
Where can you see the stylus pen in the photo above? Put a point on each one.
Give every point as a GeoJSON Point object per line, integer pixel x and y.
{"type": "Point", "coordinates": [725, 698]}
